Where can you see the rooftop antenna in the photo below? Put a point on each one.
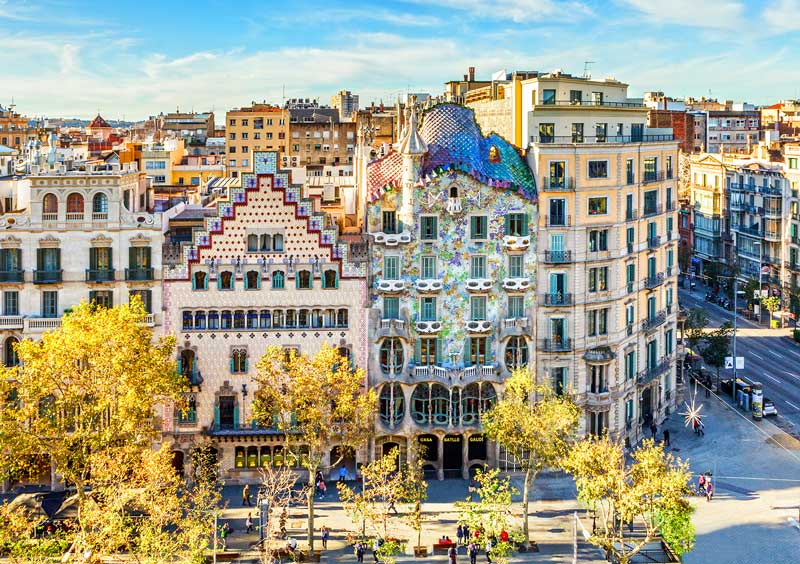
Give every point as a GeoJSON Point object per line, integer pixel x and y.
{"type": "Point", "coordinates": [587, 69]}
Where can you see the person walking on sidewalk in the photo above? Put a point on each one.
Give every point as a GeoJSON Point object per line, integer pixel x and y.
{"type": "Point", "coordinates": [451, 554]}
{"type": "Point", "coordinates": [325, 534]}
{"type": "Point", "coordinates": [653, 428]}
{"type": "Point", "coordinates": [709, 491]}
{"type": "Point", "coordinates": [666, 437]}
{"type": "Point", "coordinates": [489, 547]}
{"type": "Point", "coordinates": [360, 551]}
{"type": "Point", "coordinates": [246, 496]}
{"type": "Point", "coordinates": [249, 523]}
{"type": "Point", "coordinates": [701, 484]}
{"type": "Point", "coordinates": [472, 550]}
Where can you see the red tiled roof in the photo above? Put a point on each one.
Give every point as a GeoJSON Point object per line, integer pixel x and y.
{"type": "Point", "coordinates": [99, 122]}
{"type": "Point", "coordinates": [777, 106]}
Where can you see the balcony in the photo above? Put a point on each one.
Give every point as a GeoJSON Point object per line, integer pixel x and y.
{"type": "Point", "coordinates": [43, 323]}
{"type": "Point", "coordinates": [650, 211]}
{"type": "Point", "coordinates": [11, 322]}
{"type": "Point", "coordinates": [771, 235]}
{"type": "Point", "coordinates": [557, 300]}
{"type": "Point", "coordinates": [479, 326]}
{"type": "Point", "coordinates": [558, 220]}
{"type": "Point", "coordinates": [670, 206]}
{"type": "Point", "coordinates": [516, 243]}
{"type": "Point", "coordinates": [428, 327]}
{"type": "Point", "coordinates": [391, 286]}
{"type": "Point", "coordinates": [427, 285]}
{"type": "Point", "coordinates": [753, 231]}
{"type": "Point", "coordinates": [479, 284]}
{"type": "Point", "coordinates": [99, 216]}
{"type": "Point", "coordinates": [649, 374]}
{"type": "Point", "coordinates": [100, 275]}
{"type": "Point", "coordinates": [599, 354]}
{"type": "Point", "coordinates": [479, 372]}
{"type": "Point", "coordinates": [588, 139]}
{"type": "Point", "coordinates": [631, 215]}
{"type": "Point", "coordinates": [516, 284]}
{"type": "Point", "coordinates": [566, 184]}
{"type": "Point", "coordinates": [557, 257]}
{"type": "Point", "coordinates": [655, 176]}
{"type": "Point", "coordinates": [430, 371]}
{"type": "Point", "coordinates": [772, 212]}
{"type": "Point", "coordinates": [12, 276]}
{"type": "Point", "coordinates": [392, 328]}
{"type": "Point", "coordinates": [138, 274]}
{"type": "Point", "coordinates": [47, 276]}
{"type": "Point", "coordinates": [391, 239]}
{"type": "Point", "coordinates": [654, 242]}
{"type": "Point", "coordinates": [592, 103]}
{"type": "Point", "coordinates": [597, 396]}
{"type": "Point", "coordinates": [652, 282]}
{"type": "Point", "coordinates": [514, 326]}
{"type": "Point", "coordinates": [556, 345]}
{"type": "Point", "coordinates": [50, 217]}
{"type": "Point", "coordinates": [655, 321]}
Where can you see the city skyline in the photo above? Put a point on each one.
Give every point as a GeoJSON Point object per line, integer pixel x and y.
{"type": "Point", "coordinates": [125, 66]}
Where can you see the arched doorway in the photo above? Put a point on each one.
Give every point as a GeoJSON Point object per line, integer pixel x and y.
{"type": "Point", "coordinates": [476, 447]}
{"type": "Point", "coordinates": [452, 456]}
{"type": "Point", "coordinates": [428, 447]}
{"type": "Point", "coordinates": [177, 462]}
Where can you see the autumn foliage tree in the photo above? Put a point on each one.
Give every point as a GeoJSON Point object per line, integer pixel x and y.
{"type": "Point", "coordinates": [318, 402]}
{"type": "Point", "coordinates": [653, 491]}
{"type": "Point", "coordinates": [535, 426]}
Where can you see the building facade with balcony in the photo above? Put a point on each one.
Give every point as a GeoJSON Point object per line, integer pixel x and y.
{"type": "Point", "coordinates": [265, 269]}
{"type": "Point", "coordinates": [75, 236]}
{"type": "Point", "coordinates": [451, 218]}
{"type": "Point", "coordinates": [791, 279]}
{"type": "Point", "coordinates": [607, 251]}
{"type": "Point", "coordinates": [708, 197]}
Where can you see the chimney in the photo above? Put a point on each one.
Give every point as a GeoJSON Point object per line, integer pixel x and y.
{"type": "Point", "coordinates": [472, 74]}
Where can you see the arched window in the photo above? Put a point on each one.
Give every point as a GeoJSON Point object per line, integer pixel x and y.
{"type": "Point", "coordinates": [291, 318]}
{"type": "Point", "coordinates": [277, 319]}
{"type": "Point", "coordinates": [391, 404]}
{"type": "Point", "coordinates": [265, 319]}
{"type": "Point", "coordinates": [266, 243]}
{"type": "Point", "coordinates": [188, 320]}
{"type": "Point", "coordinates": [278, 280]}
{"type": "Point", "coordinates": [304, 279]}
{"type": "Point", "coordinates": [488, 397]}
{"type": "Point", "coordinates": [316, 318]}
{"type": "Point", "coordinates": [277, 242]}
{"type": "Point", "coordinates": [391, 356]}
{"type": "Point", "coordinates": [200, 320]}
{"type": "Point", "coordinates": [252, 243]}
{"type": "Point", "coordinates": [252, 280]}
{"type": "Point", "coordinates": [50, 204]}
{"type": "Point", "coordinates": [470, 404]}
{"type": "Point", "coordinates": [440, 404]}
{"type": "Point", "coordinates": [200, 281]}
{"type": "Point", "coordinates": [226, 320]}
{"type": "Point", "coordinates": [341, 318]}
{"type": "Point", "coordinates": [226, 280]}
{"type": "Point", "coordinates": [454, 191]}
{"type": "Point", "coordinates": [252, 319]}
{"type": "Point", "coordinates": [516, 353]}
{"type": "Point", "coordinates": [420, 403]}
{"type": "Point", "coordinates": [100, 203]}
{"type": "Point", "coordinates": [10, 357]}
{"type": "Point", "coordinates": [302, 318]}
{"type": "Point", "coordinates": [239, 361]}
{"type": "Point", "coordinates": [330, 279]}
{"type": "Point", "coordinates": [213, 320]}
{"type": "Point", "coordinates": [75, 203]}
{"type": "Point", "coordinates": [238, 319]}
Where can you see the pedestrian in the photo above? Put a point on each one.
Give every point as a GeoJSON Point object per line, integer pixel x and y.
{"type": "Point", "coordinates": [489, 546]}
{"type": "Point", "coordinates": [223, 536]}
{"type": "Point", "coordinates": [701, 485]}
{"type": "Point", "coordinates": [342, 474]}
{"type": "Point", "coordinates": [709, 491]}
{"type": "Point", "coordinates": [451, 553]}
{"type": "Point", "coordinates": [653, 428]}
{"type": "Point", "coordinates": [503, 536]}
{"type": "Point", "coordinates": [472, 550]}
{"type": "Point", "coordinates": [249, 522]}
{"type": "Point", "coordinates": [375, 546]}
{"type": "Point", "coordinates": [666, 437]}
{"type": "Point", "coordinates": [325, 535]}
{"type": "Point", "coordinates": [360, 551]}
{"type": "Point", "coordinates": [466, 532]}
{"type": "Point", "coordinates": [459, 533]}
{"type": "Point", "coordinates": [246, 496]}
{"type": "Point", "coordinates": [322, 489]}
{"type": "Point", "coordinates": [701, 427]}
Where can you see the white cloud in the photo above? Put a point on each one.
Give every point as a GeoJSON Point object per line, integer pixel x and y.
{"type": "Point", "coordinates": [519, 11]}
{"type": "Point", "coordinates": [724, 14]}
{"type": "Point", "coordinates": [783, 15]}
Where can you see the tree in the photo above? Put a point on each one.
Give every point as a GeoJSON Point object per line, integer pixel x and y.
{"type": "Point", "coordinates": [83, 390]}
{"type": "Point", "coordinates": [276, 492]}
{"type": "Point", "coordinates": [491, 512]}
{"type": "Point", "coordinates": [696, 322]}
{"type": "Point", "coordinates": [535, 426]}
{"type": "Point", "coordinates": [415, 492]}
{"type": "Point", "coordinates": [771, 303]}
{"type": "Point", "coordinates": [717, 346]}
{"type": "Point", "coordinates": [653, 490]}
{"type": "Point", "coordinates": [317, 402]}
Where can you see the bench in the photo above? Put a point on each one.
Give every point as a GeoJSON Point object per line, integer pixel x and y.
{"type": "Point", "coordinates": [443, 549]}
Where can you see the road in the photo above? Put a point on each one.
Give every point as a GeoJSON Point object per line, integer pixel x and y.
{"type": "Point", "coordinates": [770, 356]}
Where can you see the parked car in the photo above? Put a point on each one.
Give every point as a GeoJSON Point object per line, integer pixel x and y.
{"type": "Point", "coordinates": [769, 408]}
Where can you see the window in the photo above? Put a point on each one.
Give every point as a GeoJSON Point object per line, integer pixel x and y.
{"type": "Point", "coordinates": [577, 133]}
{"type": "Point", "coordinates": [668, 342]}
{"type": "Point", "coordinates": [478, 227]}
{"type": "Point", "coordinates": [651, 202]}
{"type": "Point", "coordinates": [102, 298]}
{"type": "Point", "coordinates": [793, 162]}
{"type": "Point", "coordinates": [391, 308]}
{"type": "Point", "coordinates": [303, 279]}
{"type": "Point", "coordinates": [669, 167]}
{"type": "Point", "coordinates": [231, 122]}
{"type": "Point", "coordinates": [557, 177]}
{"type": "Point", "coordinates": [157, 165]}
{"type": "Point", "coordinates": [146, 296]}
{"type": "Point", "coordinates": [429, 230]}
{"type": "Point", "coordinates": [548, 96]}
{"type": "Point", "coordinates": [558, 376]}
{"type": "Point", "coordinates": [516, 266]}
{"type": "Point", "coordinates": [629, 177]}
{"type": "Point", "coordinates": [11, 302]}
{"type": "Point", "coordinates": [239, 361]}
{"type": "Point", "coordinates": [516, 307]}
{"type": "Point", "coordinates": [630, 277]}
{"type": "Point", "coordinates": [475, 351]}
{"type": "Point", "coordinates": [159, 179]}
{"type": "Point", "coordinates": [598, 205]}
{"type": "Point", "coordinates": [428, 267]}
{"type": "Point", "coordinates": [10, 261]}
{"type": "Point", "coordinates": [48, 260]}
{"type": "Point", "coordinates": [278, 280]}
{"type": "Point", "coordinates": [50, 304]}
{"type": "Point", "coordinates": [225, 280]}
{"type": "Point", "coordinates": [50, 204]}
{"type": "Point", "coordinates": [428, 351]}
{"type": "Point", "coordinates": [547, 132]}
{"type": "Point", "coordinates": [252, 280]}
{"type": "Point", "coordinates": [10, 357]}
{"type": "Point", "coordinates": [598, 169]}
{"type": "Point", "coordinates": [390, 222]}
{"type": "Point", "coordinates": [601, 132]}
{"type": "Point", "coordinates": [517, 224]}
{"type": "Point", "coordinates": [391, 356]}
{"type": "Point", "coordinates": [558, 212]}
{"type": "Point", "coordinates": [630, 365]}
{"type": "Point", "coordinates": [391, 268]}
{"type": "Point", "coordinates": [598, 240]}
{"type": "Point", "coordinates": [428, 308]}
{"type": "Point", "coordinates": [477, 308]}
{"type": "Point", "coordinates": [330, 279]}
{"type": "Point", "coordinates": [597, 322]}
{"type": "Point", "coordinates": [516, 352]}
{"type": "Point", "coordinates": [478, 266]}
{"type": "Point", "coordinates": [650, 169]}
{"type": "Point", "coordinates": [75, 204]}
{"type": "Point", "coordinates": [598, 279]}
{"type": "Point", "coordinates": [575, 97]}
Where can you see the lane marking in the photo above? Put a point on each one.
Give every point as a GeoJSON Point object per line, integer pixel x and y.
{"type": "Point", "coordinates": [790, 403]}
{"type": "Point", "coordinates": [772, 378]}
{"type": "Point", "coordinates": [757, 355]}
{"type": "Point", "coordinates": [792, 375]}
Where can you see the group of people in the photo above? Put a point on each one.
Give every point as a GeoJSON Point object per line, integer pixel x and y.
{"type": "Point", "coordinates": [705, 486]}
{"type": "Point", "coordinates": [360, 549]}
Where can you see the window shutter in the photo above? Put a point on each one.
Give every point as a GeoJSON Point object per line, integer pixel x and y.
{"type": "Point", "coordinates": [180, 366]}
{"type": "Point", "coordinates": [297, 280]}
{"type": "Point", "coordinates": [219, 281]}
{"type": "Point", "coordinates": [525, 220]}
{"type": "Point", "coordinates": [92, 296]}
{"type": "Point", "coordinates": [417, 351]}
{"type": "Point", "coordinates": [132, 258]}
{"type": "Point", "coordinates": [93, 258]}
{"type": "Point", "coordinates": [231, 365]}
{"type": "Point", "coordinates": [148, 304]}
{"type": "Point", "coordinates": [216, 415]}
{"type": "Point", "coordinates": [39, 259]}
{"type": "Point", "coordinates": [507, 225]}
{"type": "Point", "coordinates": [235, 415]}
{"type": "Point", "coordinates": [438, 351]}
{"type": "Point", "coordinates": [146, 257]}
{"type": "Point", "coordinates": [194, 282]}
{"type": "Point", "coordinates": [194, 367]}
{"type": "Point", "coordinates": [110, 299]}
{"type": "Point", "coordinates": [246, 365]}
{"type": "Point", "coordinates": [110, 255]}
{"type": "Point", "coordinates": [467, 351]}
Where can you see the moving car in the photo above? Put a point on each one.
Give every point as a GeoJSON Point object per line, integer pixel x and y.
{"type": "Point", "coordinates": [769, 408]}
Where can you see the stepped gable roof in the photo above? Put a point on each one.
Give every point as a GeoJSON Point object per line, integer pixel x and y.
{"type": "Point", "coordinates": [99, 122]}
{"type": "Point", "coordinates": [454, 142]}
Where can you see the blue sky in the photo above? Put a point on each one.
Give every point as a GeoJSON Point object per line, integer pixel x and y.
{"type": "Point", "coordinates": [133, 59]}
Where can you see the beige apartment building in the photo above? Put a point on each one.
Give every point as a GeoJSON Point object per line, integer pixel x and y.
{"type": "Point", "coordinates": [607, 250]}
{"type": "Point", "coordinates": [260, 127]}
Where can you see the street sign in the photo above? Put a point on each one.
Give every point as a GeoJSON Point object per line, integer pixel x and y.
{"type": "Point", "coordinates": [729, 363]}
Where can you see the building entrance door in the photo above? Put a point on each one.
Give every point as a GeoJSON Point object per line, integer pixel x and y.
{"type": "Point", "coordinates": [453, 456]}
